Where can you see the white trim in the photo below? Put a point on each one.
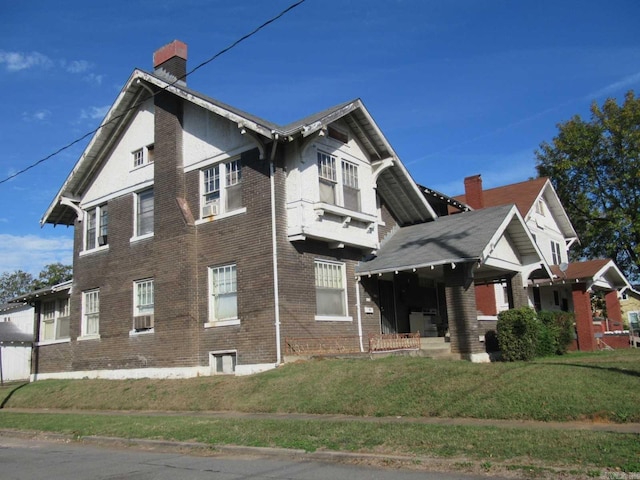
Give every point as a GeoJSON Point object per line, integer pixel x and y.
{"type": "Point", "coordinates": [223, 323]}
{"type": "Point", "coordinates": [118, 193]}
{"type": "Point", "coordinates": [83, 338]}
{"type": "Point", "coordinates": [44, 343]}
{"type": "Point", "coordinates": [219, 158]}
{"type": "Point", "coordinates": [329, 318]}
{"type": "Point", "coordinates": [93, 250]}
{"type": "Point", "coordinates": [135, 333]}
{"type": "Point", "coordinates": [137, 238]}
{"type": "Point", "coordinates": [160, 373]}
{"type": "Point", "coordinates": [232, 213]}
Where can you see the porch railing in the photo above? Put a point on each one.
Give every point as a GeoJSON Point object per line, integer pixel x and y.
{"type": "Point", "coordinates": [351, 344]}
{"type": "Point", "coordinates": [394, 341]}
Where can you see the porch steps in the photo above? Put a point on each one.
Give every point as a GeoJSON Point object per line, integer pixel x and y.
{"type": "Point", "coordinates": [436, 347]}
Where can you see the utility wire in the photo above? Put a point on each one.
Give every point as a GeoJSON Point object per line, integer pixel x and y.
{"type": "Point", "coordinates": [221, 52]}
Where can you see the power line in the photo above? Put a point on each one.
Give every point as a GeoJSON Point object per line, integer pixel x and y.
{"type": "Point", "coordinates": [211, 59]}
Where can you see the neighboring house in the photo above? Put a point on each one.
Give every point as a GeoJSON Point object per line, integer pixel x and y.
{"type": "Point", "coordinates": [208, 240]}
{"type": "Point", "coordinates": [630, 306]}
{"type": "Point", "coordinates": [16, 338]}
{"type": "Point", "coordinates": [570, 286]}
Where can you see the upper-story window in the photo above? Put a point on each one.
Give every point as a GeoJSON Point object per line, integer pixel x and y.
{"type": "Point", "coordinates": [96, 225]}
{"type": "Point", "coordinates": [144, 213]}
{"type": "Point", "coordinates": [338, 186]}
{"type": "Point", "coordinates": [55, 320]}
{"type": "Point", "coordinates": [555, 253]}
{"type": "Point", "coordinates": [221, 188]}
{"type": "Point", "coordinates": [142, 156]}
{"type": "Point", "coordinates": [540, 207]}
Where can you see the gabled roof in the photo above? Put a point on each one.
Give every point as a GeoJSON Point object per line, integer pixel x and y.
{"type": "Point", "coordinates": [466, 237]}
{"type": "Point", "coordinates": [395, 185]}
{"type": "Point", "coordinates": [525, 195]}
{"type": "Point", "coordinates": [599, 273]}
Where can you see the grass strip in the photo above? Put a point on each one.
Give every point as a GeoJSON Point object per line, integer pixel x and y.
{"type": "Point", "coordinates": [488, 444]}
{"type": "Point", "coordinates": [594, 386]}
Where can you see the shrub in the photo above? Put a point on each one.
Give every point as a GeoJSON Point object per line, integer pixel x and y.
{"type": "Point", "coordinates": [566, 331]}
{"type": "Point", "coordinates": [518, 332]}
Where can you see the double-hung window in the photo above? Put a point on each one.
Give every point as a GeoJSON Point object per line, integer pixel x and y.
{"type": "Point", "coordinates": [55, 320]}
{"type": "Point", "coordinates": [96, 226]}
{"type": "Point", "coordinates": [144, 213]}
{"type": "Point", "coordinates": [331, 294]}
{"type": "Point", "coordinates": [143, 304]}
{"type": "Point", "coordinates": [90, 313]}
{"type": "Point", "coordinates": [223, 295]}
{"type": "Point", "coordinates": [338, 186]}
{"type": "Point", "coordinates": [221, 188]}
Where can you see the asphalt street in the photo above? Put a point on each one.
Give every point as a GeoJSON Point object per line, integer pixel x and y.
{"type": "Point", "coordinates": [30, 459]}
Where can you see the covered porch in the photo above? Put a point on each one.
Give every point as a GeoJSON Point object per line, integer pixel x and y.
{"type": "Point", "coordinates": [423, 277]}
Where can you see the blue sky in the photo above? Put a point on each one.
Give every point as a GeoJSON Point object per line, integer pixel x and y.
{"type": "Point", "coordinates": [459, 87]}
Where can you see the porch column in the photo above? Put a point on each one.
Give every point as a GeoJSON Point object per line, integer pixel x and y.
{"type": "Point", "coordinates": [584, 320]}
{"type": "Point", "coordinates": [518, 291]}
{"type": "Point", "coordinates": [613, 306]}
{"type": "Point", "coordinates": [462, 314]}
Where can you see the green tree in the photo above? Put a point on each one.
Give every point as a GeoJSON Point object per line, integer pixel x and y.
{"type": "Point", "coordinates": [595, 169]}
{"type": "Point", "coordinates": [53, 274]}
{"type": "Point", "coordinates": [14, 284]}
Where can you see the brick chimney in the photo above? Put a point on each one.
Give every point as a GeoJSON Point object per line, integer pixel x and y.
{"type": "Point", "coordinates": [170, 61]}
{"type": "Point", "coordinates": [473, 192]}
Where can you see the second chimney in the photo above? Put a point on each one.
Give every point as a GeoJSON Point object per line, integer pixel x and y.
{"type": "Point", "coordinates": [170, 61]}
{"type": "Point", "coordinates": [473, 192]}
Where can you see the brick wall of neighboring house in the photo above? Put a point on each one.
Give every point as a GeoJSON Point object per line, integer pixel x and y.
{"type": "Point", "coordinates": [486, 299]}
{"type": "Point", "coordinates": [617, 341]}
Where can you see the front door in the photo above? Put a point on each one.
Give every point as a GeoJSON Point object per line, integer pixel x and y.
{"type": "Point", "coordinates": [387, 307]}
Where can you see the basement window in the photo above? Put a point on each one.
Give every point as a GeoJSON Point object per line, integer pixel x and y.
{"type": "Point", "coordinates": [223, 363]}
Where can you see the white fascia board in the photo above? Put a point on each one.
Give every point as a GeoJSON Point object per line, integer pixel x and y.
{"type": "Point", "coordinates": [80, 163]}
{"type": "Point", "coordinates": [514, 213]}
{"type": "Point", "coordinates": [569, 232]}
{"type": "Point", "coordinates": [611, 267]}
{"type": "Point", "coordinates": [232, 116]}
{"type": "Point", "coordinates": [404, 268]}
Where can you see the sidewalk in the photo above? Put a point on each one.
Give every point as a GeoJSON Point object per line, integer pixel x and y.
{"type": "Point", "coordinates": [470, 422]}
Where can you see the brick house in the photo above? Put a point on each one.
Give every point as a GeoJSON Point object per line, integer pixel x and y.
{"type": "Point", "coordinates": [208, 240]}
{"type": "Point", "coordinates": [571, 283]}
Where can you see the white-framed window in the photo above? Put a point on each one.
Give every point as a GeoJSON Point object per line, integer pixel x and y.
{"type": "Point", "coordinates": [223, 363]}
{"type": "Point", "coordinates": [221, 188]}
{"type": "Point", "coordinates": [142, 156]}
{"type": "Point", "coordinates": [540, 207]}
{"type": "Point", "coordinates": [555, 253]}
{"type": "Point", "coordinates": [55, 319]}
{"type": "Point", "coordinates": [634, 321]}
{"type": "Point", "coordinates": [223, 295]}
{"type": "Point", "coordinates": [90, 313]}
{"type": "Point", "coordinates": [143, 304]}
{"type": "Point", "coordinates": [338, 186]}
{"type": "Point", "coordinates": [331, 292]}
{"type": "Point", "coordinates": [144, 207]}
{"type": "Point", "coordinates": [96, 227]}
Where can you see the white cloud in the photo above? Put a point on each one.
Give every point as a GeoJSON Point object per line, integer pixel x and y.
{"type": "Point", "coordinates": [16, 61]}
{"type": "Point", "coordinates": [77, 66]}
{"type": "Point", "coordinates": [30, 253]}
{"type": "Point", "coordinates": [39, 115]}
{"type": "Point", "coordinates": [94, 113]}
{"type": "Point", "coordinates": [94, 79]}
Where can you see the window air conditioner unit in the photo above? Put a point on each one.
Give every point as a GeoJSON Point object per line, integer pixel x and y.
{"type": "Point", "coordinates": [210, 210]}
{"type": "Point", "coordinates": [102, 240]}
{"type": "Point", "coordinates": [143, 322]}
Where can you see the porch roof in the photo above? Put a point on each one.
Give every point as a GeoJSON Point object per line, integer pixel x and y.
{"type": "Point", "coordinates": [461, 238]}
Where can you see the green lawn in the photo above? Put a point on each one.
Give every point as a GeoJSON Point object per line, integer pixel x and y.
{"type": "Point", "coordinates": [602, 386]}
